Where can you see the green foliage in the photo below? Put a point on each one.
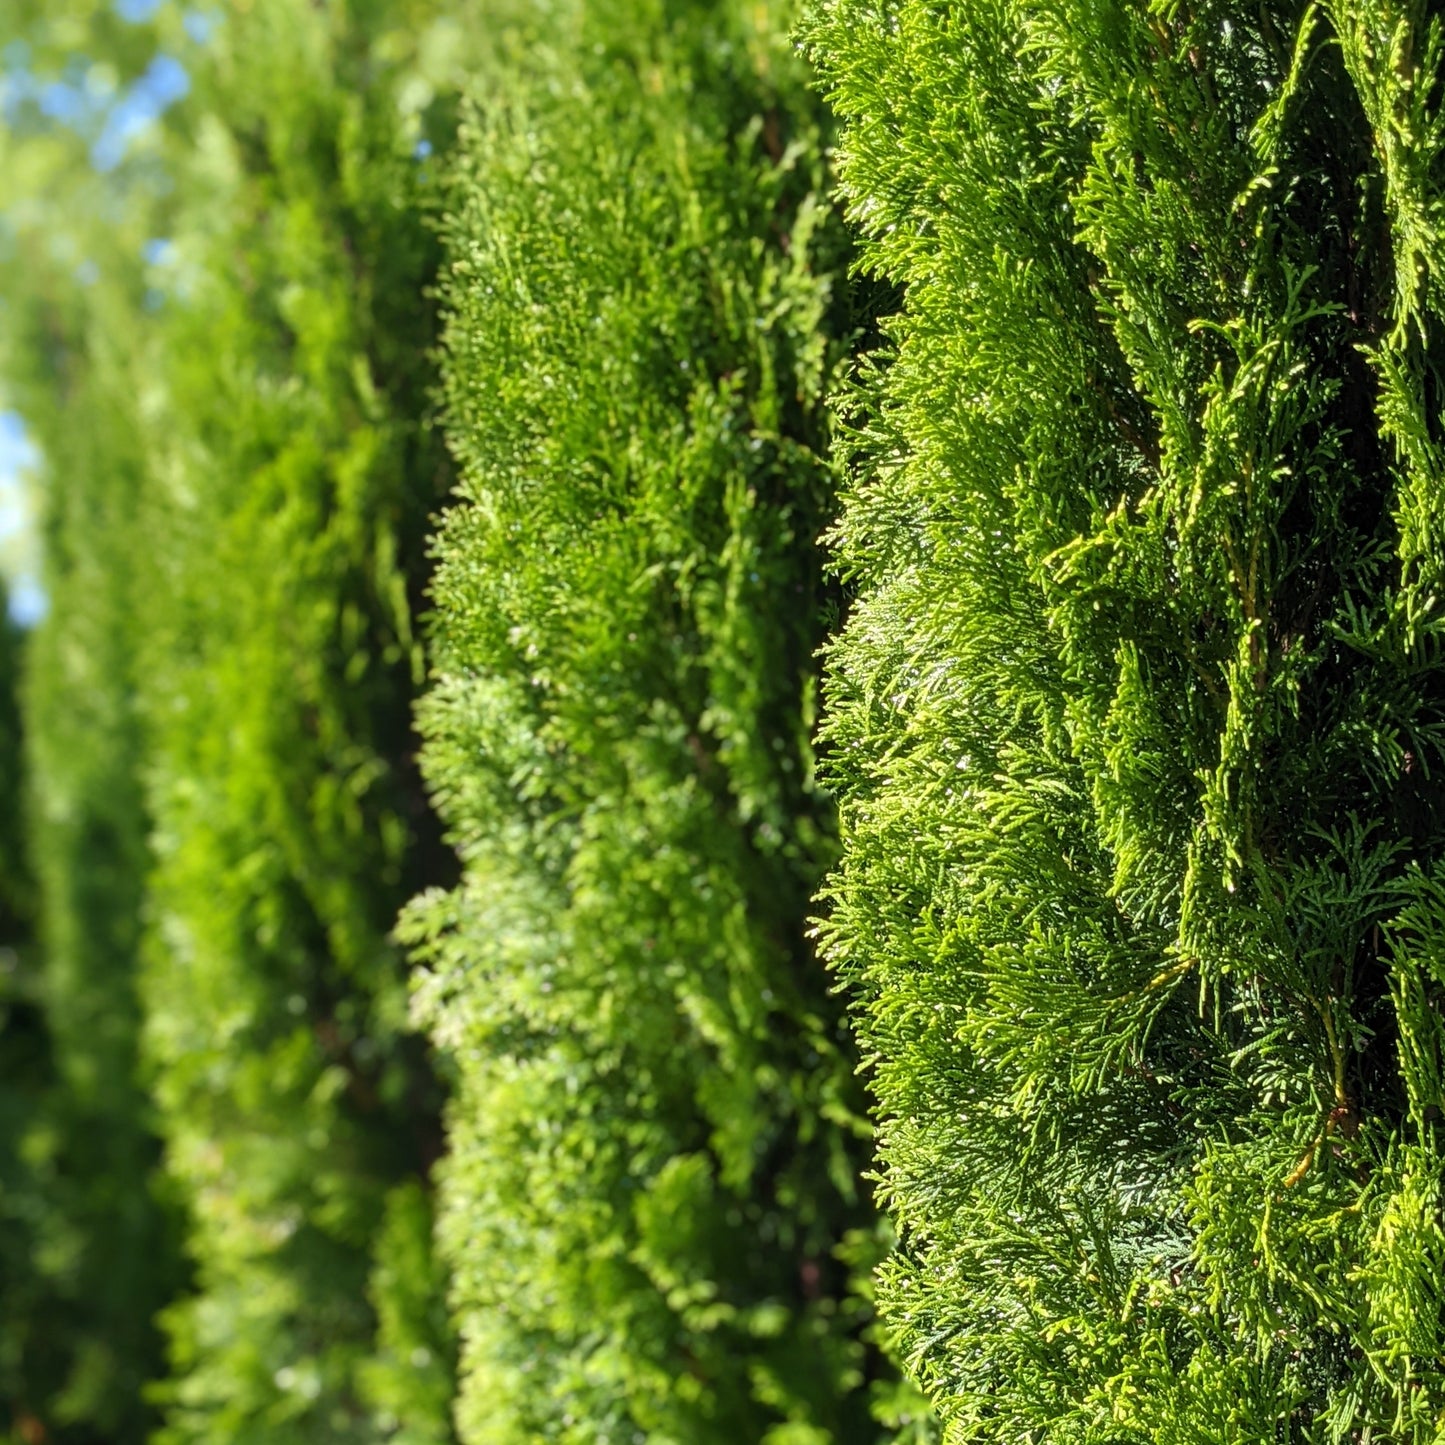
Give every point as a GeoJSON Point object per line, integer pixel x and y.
{"type": "Point", "coordinates": [91, 1236]}
{"type": "Point", "coordinates": [1138, 721]}
{"type": "Point", "coordinates": [108, 1250]}
{"type": "Point", "coordinates": [289, 482]}
{"type": "Point", "coordinates": [95, 1250]}
{"type": "Point", "coordinates": [651, 1205]}
{"type": "Point", "coordinates": [238, 485]}
{"type": "Point", "coordinates": [15, 886]}
{"type": "Point", "coordinates": [407, 1382]}
{"type": "Point", "coordinates": [25, 1066]}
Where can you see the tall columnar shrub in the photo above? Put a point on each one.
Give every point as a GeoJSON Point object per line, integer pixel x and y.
{"type": "Point", "coordinates": [87, 1253]}
{"type": "Point", "coordinates": [652, 1204]}
{"type": "Point", "coordinates": [289, 483]}
{"type": "Point", "coordinates": [1138, 720]}
{"type": "Point", "coordinates": [96, 1252]}
{"type": "Point", "coordinates": [27, 1374]}
{"type": "Point", "coordinates": [15, 886]}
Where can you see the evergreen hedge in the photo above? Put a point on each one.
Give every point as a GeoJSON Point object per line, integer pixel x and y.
{"type": "Point", "coordinates": [95, 1252]}
{"type": "Point", "coordinates": [652, 1204]}
{"type": "Point", "coordinates": [289, 483]}
{"type": "Point", "coordinates": [228, 815]}
{"type": "Point", "coordinates": [1138, 720]}
{"type": "Point", "coordinates": [15, 884]}
{"type": "Point", "coordinates": [25, 1069]}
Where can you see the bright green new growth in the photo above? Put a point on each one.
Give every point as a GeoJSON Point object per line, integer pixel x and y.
{"type": "Point", "coordinates": [651, 1206]}
{"type": "Point", "coordinates": [1139, 720]}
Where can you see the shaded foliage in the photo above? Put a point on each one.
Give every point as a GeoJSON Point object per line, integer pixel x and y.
{"type": "Point", "coordinates": [99, 1246]}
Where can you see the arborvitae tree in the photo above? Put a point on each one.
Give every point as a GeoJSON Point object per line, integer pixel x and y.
{"type": "Point", "coordinates": [28, 1374]}
{"type": "Point", "coordinates": [16, 889]}
{"type": "Point", "coordinates": [238, 484]}
{"type": "Point", "coordinates": [1139, 720]}
{"type": "Point", "coordinates": [88, 1253]}
{"type": "Point", "coordinates": [113, 1255]}
{"type": "Point", "coordinates": [289, 482]}
{"type": "Point", "coordinates": [96, 1253]}
{"type": "Point", "coordinates": [103, 1256]}
{"type": "Point", "coordinates": [652, 1203]}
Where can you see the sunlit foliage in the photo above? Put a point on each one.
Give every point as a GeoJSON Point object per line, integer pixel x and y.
{"type": "Point", "coordinates": [1138, 722]}
{"type": "Point", "coordinates": [652, 1204]}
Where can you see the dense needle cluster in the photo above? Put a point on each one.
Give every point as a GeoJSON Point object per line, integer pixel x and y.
{"type": "Point", "coordinates": [1138, 721]}
{"type": "Point", "coordinates": [652, 1203]}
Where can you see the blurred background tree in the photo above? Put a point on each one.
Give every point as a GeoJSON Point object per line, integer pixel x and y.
{"type": "Point", "coordinates": [217, 337]}
{"type": "Point", "coordinates": [102, 1251]}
